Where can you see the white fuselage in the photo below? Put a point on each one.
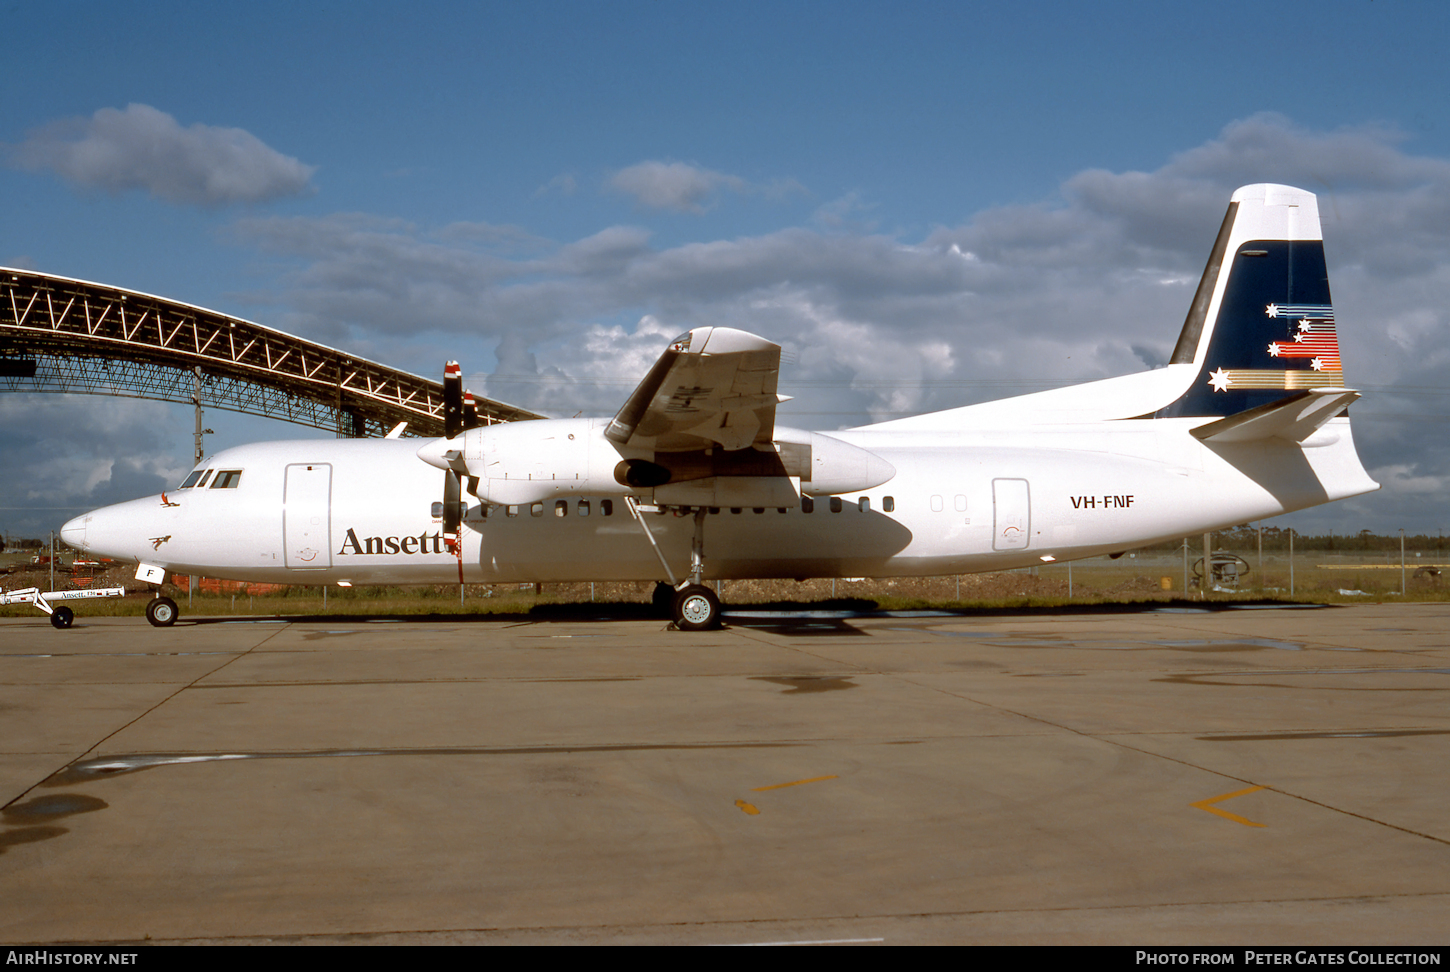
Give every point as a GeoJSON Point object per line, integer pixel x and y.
{"type": "Point", "coordinates": [360, 511]}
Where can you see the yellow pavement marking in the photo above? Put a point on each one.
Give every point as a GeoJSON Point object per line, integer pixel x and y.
{"type": "Point", "coordinates": [779, 786]}
{"type": "Point", "coordinates": [746, 807]}
{"type": "Point", "coordinates": [1204, 805]}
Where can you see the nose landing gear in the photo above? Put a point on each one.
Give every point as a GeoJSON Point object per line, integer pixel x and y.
{"type": "Point", "coordinates": [161, 611]}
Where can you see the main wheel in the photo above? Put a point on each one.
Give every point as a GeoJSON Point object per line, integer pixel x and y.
{"type": "Point", "coordinates": [63, 617]}
{"type": "Point", "coordinates": [161, 611]}
{"type": "Point", "coordinates": [697, 609]}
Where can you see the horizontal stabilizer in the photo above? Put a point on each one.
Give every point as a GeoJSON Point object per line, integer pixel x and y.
{"type": "Point", "coordinates": [1295, 417]}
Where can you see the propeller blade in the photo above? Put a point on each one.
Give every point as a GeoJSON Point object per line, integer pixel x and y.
{"type": "Point", "coordinates": [470, 412]}
{"type": "Point", "coordinates": [452, 400]}
{"type": "Point", "coordinates": [452, 502]}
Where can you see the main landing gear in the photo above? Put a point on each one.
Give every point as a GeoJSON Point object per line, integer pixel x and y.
{"type": "Point", "coordinates": [696, 608]}
{"type": "Point", "coordinates": [691, 605]}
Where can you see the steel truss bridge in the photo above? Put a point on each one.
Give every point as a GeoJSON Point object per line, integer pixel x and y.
{"type": "Point", "coordinates": [72, 337]}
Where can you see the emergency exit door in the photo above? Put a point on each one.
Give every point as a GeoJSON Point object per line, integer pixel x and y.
{"type": "Point", "coordinates": [1011, 514]}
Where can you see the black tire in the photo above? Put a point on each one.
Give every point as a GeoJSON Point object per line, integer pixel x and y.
{"type": "Point", "coordinates": [63, 617]}
{"type": "Point", "coordinates": [161, 611]}
{"type": "Point", "coordinates": [663, 599]}
{"type": "Point", "coordinates": [696, 609]}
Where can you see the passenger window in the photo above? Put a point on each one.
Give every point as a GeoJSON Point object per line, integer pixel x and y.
{"type": "Point", "coordinates": [864, 504]}
{"type": "Point", "coordinates": [606, 507]}
{"type": "Point", "coordinates": [561, 507]}
{"type": "Point", "coordinates": [808, 505]}
{"type": "Point", "coordinates": [936, 504]}
{"type": "Point", "coordinates": [758, 509]}
{"type": "Point", "coordinates": [536, 509]}
{"type": "Point", "coordinates": [961, 503]}
{"type": "Point", "coordinates": [583, 507]}
{"type": "Point", "coordinates": [510, 511]}
{"type": "Point", "coordinates": [888, 504]}
{"type": "Point", "coordinates": [835, 504]}
{"type": "Point", "coordinates": [227, 479]}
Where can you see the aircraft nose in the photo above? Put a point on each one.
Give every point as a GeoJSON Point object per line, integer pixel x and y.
{"type": "Point", "coordinates": [74, 531]}
{"type": "Point", "coordinates": [125, 530]}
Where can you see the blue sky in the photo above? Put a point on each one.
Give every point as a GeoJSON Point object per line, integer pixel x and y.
{"type": "Point", "coordinates": [548, 192]}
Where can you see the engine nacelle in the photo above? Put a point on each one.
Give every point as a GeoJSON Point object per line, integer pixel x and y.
{"type": "Point", "coordinates": [827, 466]}
{"type": "Point", "coordinates": [519, 463]}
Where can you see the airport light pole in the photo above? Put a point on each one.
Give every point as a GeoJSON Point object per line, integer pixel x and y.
{"type": "Point", "coordinates": [1261, 553]}
{"type": "Point", "coordinates": [1207, 565]}
{"type": "Point", "coordinates": [1185, 566]}
{"type": "Point", "coordinates": [1402, 561]}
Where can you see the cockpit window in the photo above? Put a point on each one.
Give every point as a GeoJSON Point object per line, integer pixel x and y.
{"type": "Point", "coordinates": [201, 483]}
{"type": "Point", "coordinates": [191, 480]}
{"type": "Point", "coordinates": [227, 479]}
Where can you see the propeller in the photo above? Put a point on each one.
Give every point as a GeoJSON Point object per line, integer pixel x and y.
{"type": "Point", "coordinates": [453, 426]}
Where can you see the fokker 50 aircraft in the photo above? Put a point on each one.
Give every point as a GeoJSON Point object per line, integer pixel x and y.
{"type": "Point", "coordinates": [693, 479]}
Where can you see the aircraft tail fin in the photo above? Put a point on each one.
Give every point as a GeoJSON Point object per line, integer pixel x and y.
{"type": "Point", "coordinates": [1261, 325]}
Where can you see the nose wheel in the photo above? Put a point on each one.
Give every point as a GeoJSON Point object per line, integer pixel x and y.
{"type": "Point", "coordinates": [161, 611]}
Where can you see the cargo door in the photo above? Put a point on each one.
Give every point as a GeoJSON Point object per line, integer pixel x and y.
{"type": "Point", "coordinates": [307, 516]}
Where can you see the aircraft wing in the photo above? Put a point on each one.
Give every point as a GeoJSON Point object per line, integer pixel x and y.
{"type": "Point", "coordinates": [713, 386]}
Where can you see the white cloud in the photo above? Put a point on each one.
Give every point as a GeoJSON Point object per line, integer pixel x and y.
{"type": "Point", "coordinates": [686, 188]}
{"type": "Point", "coordinates": [672, 185]}
{"type": "Point", "coordinates": [143, 148]}
{"type": "Point", "coordinates": [563, 185]}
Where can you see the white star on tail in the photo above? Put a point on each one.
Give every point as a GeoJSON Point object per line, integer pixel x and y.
{"type": "Point", "coordinates": [1219, 380]}
{"type": "Point", "coordinates": [1272, 310]}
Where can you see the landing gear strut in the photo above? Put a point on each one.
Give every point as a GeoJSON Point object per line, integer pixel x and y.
{"type": "Point", "coordinates": [692, 605]}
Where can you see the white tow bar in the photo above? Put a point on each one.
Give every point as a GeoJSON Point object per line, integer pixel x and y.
{"type": "Point", "coordinates": [63, 616]}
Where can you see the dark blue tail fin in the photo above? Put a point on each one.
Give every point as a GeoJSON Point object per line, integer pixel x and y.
{"type": "Point", "coordinates": [1261, 326]}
